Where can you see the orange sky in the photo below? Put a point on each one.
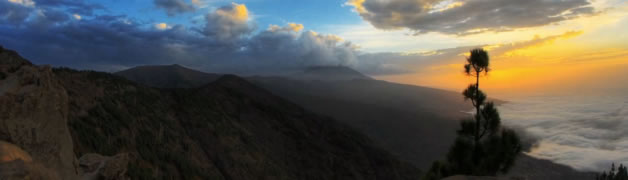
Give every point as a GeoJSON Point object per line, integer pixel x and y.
{"type": "Point", "coordinates": [590, 53]}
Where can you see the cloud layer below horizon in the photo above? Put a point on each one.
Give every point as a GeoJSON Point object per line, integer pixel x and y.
{"type": "Point", "coordinates": [585, 132]}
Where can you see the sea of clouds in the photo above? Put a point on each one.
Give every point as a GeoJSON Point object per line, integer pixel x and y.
{"type": "Point", "coordinates": [587, 132]}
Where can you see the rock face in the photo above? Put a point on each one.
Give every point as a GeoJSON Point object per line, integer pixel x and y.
{"type": "Point", "coordinates": [98, 167]}
{"type": "Point", "coordinates": [33, 115]}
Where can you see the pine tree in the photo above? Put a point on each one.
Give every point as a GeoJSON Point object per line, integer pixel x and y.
{"type": "Point", "coordinates": [482, 147]}
{"type": "Point", "coordinates": [621, 173]}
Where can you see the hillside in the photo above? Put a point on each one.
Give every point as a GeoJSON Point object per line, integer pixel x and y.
{"type": "Point", "coordinates": [415, 123]}
{"type": "Point", "coordinates": [329, 73]}
{"type": "Point", "coordinates": [229, 129]}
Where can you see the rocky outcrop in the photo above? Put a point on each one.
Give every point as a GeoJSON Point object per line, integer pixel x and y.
{"type": "Point", "coordinates": [98, 167]}
{"type": "Point", "coordinates": [33, 115]}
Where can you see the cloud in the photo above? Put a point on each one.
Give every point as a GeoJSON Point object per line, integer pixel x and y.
{"type": "Point", "coordinates": [73, 6]}
{"type": "Point", "coordinates": [14, 13]}
{"type": "Point", "coordinates": [389, 63]}
{"type": "Point", "coordinates": [28, 3]}
{"type": "Point", "coordinates": [162, 26]}
{"type": "Point", "coordinates": [585, 132]}
{"type": "Point", "coordinates": [467, 17]}
{"type": "Point", "coordinates": [197, 2]}
{"type": "Point", "coordinates": [290, 27]}
{"type": "Point", "coordinates": [174, 7]}
{"type": "Point", "coordinates": [285, 48]}
{"type": "Point", "coordinates": [225, 43]}
{"type": "Point", "coordinates": [228, 23]}
{"type": "Point", "coordinates": [44, 12]}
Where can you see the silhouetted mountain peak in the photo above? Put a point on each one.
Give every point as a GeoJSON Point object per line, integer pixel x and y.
{"type": "Point", "coordinates": [168, 76]}
{"type": "Point", "coordinates": [330, 73]}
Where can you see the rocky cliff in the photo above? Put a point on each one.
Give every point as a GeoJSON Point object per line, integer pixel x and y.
{"type": "Point", "coordinates": [34, 113]}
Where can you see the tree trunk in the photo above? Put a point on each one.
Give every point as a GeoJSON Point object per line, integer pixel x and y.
{"type": "Point", "coordinates": [477, 108]}
{"type": "Point", "coordinates": [476, 143]}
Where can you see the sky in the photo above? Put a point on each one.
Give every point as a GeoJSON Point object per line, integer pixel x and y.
{"type": "Point", "coordinates": [552, 45]}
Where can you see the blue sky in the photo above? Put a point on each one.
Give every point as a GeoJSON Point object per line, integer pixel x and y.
{"type": "Point", "coordinates": [316, 15]}
{"type": "Point", "coordinates": [415, 42]}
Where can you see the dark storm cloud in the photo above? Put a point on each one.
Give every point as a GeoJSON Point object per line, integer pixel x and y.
{"type": "Point", "coordinates": [467, 17]}
{"type": "Point", "coordinates": [174, 7]}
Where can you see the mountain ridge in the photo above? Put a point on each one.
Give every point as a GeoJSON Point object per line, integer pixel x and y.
{"type": "Point", "coordinates": [228, 129]}
{"type": "Point", "coordinates": [400, 117]}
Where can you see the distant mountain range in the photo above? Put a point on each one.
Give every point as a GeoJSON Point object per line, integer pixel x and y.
{"type": "Point", "coordinates": [57, 119]}
{"type": "Point", "coordinates": [415, 123]}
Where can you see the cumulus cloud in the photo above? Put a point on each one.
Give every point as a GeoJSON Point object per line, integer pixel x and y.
{"type": "Point", "coordinates": [290, 27]}
{"type": "Point", "coordinates": [173, 7]}
{"type": "Point", "coordinates": [225, 43]}
{"type": "Point", "coordinates": [228, 23]}
{"type": "Point", "coordinates": [284, 47]}
{"type": "Point", "coordinates": [469, 16]}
